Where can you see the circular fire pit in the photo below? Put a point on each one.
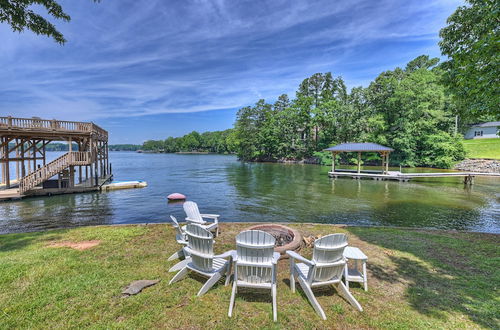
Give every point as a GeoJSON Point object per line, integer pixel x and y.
{"type": "Point", "coordinates": [286, 237]}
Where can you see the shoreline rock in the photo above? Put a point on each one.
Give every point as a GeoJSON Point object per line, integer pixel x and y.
{"type": "Point", "coordinates": [479, 165]}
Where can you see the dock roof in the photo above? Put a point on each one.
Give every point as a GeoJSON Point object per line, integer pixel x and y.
{"type": "Point", "coordinates": [488, 124]}
{"type": "Point", "coordinates": [359, 147]}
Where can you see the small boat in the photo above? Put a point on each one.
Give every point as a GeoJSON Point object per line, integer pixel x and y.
{"type": "Point", "coordinates": [176, 197]}
{"type": "Point", "coordinates": [125, 185]}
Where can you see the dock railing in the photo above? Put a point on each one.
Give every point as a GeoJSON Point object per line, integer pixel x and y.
{"type": "Point", "coordinates": [38, 124]}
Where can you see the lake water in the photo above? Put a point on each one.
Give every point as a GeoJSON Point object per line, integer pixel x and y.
{"type": "Point", "coordinates": [263, 192]}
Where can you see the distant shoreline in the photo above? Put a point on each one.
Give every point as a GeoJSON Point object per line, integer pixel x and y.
{"type": "Point", "coordinates": [194, 152]}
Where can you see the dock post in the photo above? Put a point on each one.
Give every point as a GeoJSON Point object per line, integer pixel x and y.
{"type": "Point", "coordinates": [468, 180]}
{"type": "Point", "coordinates": [333, 162]}
{"type": "Point", "coordinates": [91, 175]}
{"type": "Point", "coordinates": [359, 162]}
{"type": "Point", "coordinates": [6, 164]}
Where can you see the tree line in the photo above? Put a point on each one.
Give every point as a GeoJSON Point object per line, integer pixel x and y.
{"type": "Point", "coordinates": [407, 109]}
{"type": "Point", "coordinates": [124, 147]}
{"type": "Point", "coordinates": [223, 142]}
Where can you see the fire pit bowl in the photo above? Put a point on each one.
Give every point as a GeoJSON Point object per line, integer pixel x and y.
{"type": "Point", "coordinates": [286, 237]}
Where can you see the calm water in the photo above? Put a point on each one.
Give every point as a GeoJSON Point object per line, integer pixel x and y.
{"type": "Point", "coordinates": [261, 192]}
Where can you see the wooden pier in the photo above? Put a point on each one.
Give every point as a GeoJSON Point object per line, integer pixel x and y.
{"type": "Point", "coordinates": [405, 177]}
{"type": "Point", "coordinates": [23, 141]}
{"type": "Point", "coordinates": [385, 174]}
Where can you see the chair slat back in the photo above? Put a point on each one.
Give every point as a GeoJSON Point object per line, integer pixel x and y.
{"type": "Point", "coordinates": [179, 234]}
{"type": "Point", "coordinates": [192, 211]}
{"type": "Point", "coordinates": [201, 243]}
{"type": "Point", "coordinates": [255, 247]}
{"type": "Point", "coordinates": [328, 256]}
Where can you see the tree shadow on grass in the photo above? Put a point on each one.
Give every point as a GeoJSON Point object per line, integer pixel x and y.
{"type": "Point", "coordinates": [443, 278]}
{"type": "Point", "coordinates": [12, 242]}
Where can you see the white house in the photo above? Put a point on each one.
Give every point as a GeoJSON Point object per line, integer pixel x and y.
{"type": "Point", "coordinates": [488, 130]}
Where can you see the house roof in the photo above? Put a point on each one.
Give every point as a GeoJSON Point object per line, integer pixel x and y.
{"type": "Point", "coordinates": [488, 124]}
{"type": "Point", "coordinates": [355, 147]}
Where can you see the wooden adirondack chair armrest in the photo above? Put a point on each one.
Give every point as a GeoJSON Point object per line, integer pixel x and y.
{"type": "Point", "coordinates": [296, 256]}
{"type": "Point", "coordinates": [276, 257]}
{"type": "Point", "coordinates": [227, 254]}
{"type": "Point", "coordinates": [197, 222]}
{"type": "Point", "coordinates": [210, 216]}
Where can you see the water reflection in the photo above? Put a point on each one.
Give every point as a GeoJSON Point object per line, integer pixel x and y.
{"type": "Point", "coordinates": [62, 211]}
{"type": "Point", "coordinates": [302, 193]}
{"type": "Point", "coordinates": [261, 192]}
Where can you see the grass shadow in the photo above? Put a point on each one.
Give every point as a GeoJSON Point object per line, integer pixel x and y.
{"type": "Point", "coordinates": [443, 275]}
{"type": "Point", "coordinates": [11, 242]}
{"type": "Point", "coordinates": [254, 295]}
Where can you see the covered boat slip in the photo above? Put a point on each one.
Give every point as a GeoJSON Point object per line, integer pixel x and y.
{"type": "Point", "coordinates": [23, 141]}
{"type": "Point", "coordinates": [360, 148]}
{"type": "Point", "coordinates": [384, 173]}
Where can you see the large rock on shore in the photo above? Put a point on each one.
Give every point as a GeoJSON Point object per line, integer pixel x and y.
{"type": "Point", "coordinates": [479, 165]}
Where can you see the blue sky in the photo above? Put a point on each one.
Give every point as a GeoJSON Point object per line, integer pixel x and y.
{"type": "Point", "coordinates": [153, 68]}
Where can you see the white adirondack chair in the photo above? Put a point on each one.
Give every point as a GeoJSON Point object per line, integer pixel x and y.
{"type": "Point", "coordinates": [193, 215]}
{"type": "Point", "coordinates": [255, 264]}
{"type": "Point", "coordinates": [181, 238]}
{"type": "Point", "coordinates": [325, 268]}
{"type": "Point", "coordinates": [202, 258]}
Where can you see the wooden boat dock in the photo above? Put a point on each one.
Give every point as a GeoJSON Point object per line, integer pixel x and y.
{"type": "Point", "coordinates": [384, 173]}
{"type": "Point", "coordinates": [85, 167]}
{"type": "Point", "coordinates": [405, 177]}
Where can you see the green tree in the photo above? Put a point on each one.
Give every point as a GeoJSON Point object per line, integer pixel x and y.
{"type": "Point", "coordinates": [152, 145]}
{"type": "Point", "coordinates": [413, 105]}
{"type": "Point", "coordinates": [171, 144]}
{"type": "Point", "coordinates": [246, 128]}
{"type": "Point", "coordinates": [471, 40]}
{"type": "Point", "coordinates": [191, 141]}
{"type": "Point", "coordinates": [19, 14]}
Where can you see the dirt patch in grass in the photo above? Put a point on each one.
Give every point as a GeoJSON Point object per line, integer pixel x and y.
{"type": "Point", "coordinates": [84, 245]}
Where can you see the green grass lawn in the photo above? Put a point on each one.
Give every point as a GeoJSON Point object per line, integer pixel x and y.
{"type": "Point", "coordinates": [483, 148]}
{"type": "Point", "coordinates": [417, 279]}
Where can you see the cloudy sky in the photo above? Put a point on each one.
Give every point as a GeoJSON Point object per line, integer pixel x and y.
{"type": "Point", "coordinates": [153, 68]}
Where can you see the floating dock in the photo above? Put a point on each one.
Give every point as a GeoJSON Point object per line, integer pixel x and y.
{"type": "Point", "coordinates": [124, 185]}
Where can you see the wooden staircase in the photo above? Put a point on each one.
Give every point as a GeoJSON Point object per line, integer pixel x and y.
{"type": "Point", "coordinates": [73, 158]}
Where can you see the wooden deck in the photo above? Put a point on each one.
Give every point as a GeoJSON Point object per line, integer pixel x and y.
{"type": "Point", "coordinates": [86, 186]}
{"type": "Point", "coordinates": [23, 142]}
{"type": "Point", "coordinates": [50, 129]}
{"type": "Point", "coordinates": [405, 177]}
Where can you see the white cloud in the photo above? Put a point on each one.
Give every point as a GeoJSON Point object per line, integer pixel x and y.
{"type": "Point", "coordinates": [151, 57]}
